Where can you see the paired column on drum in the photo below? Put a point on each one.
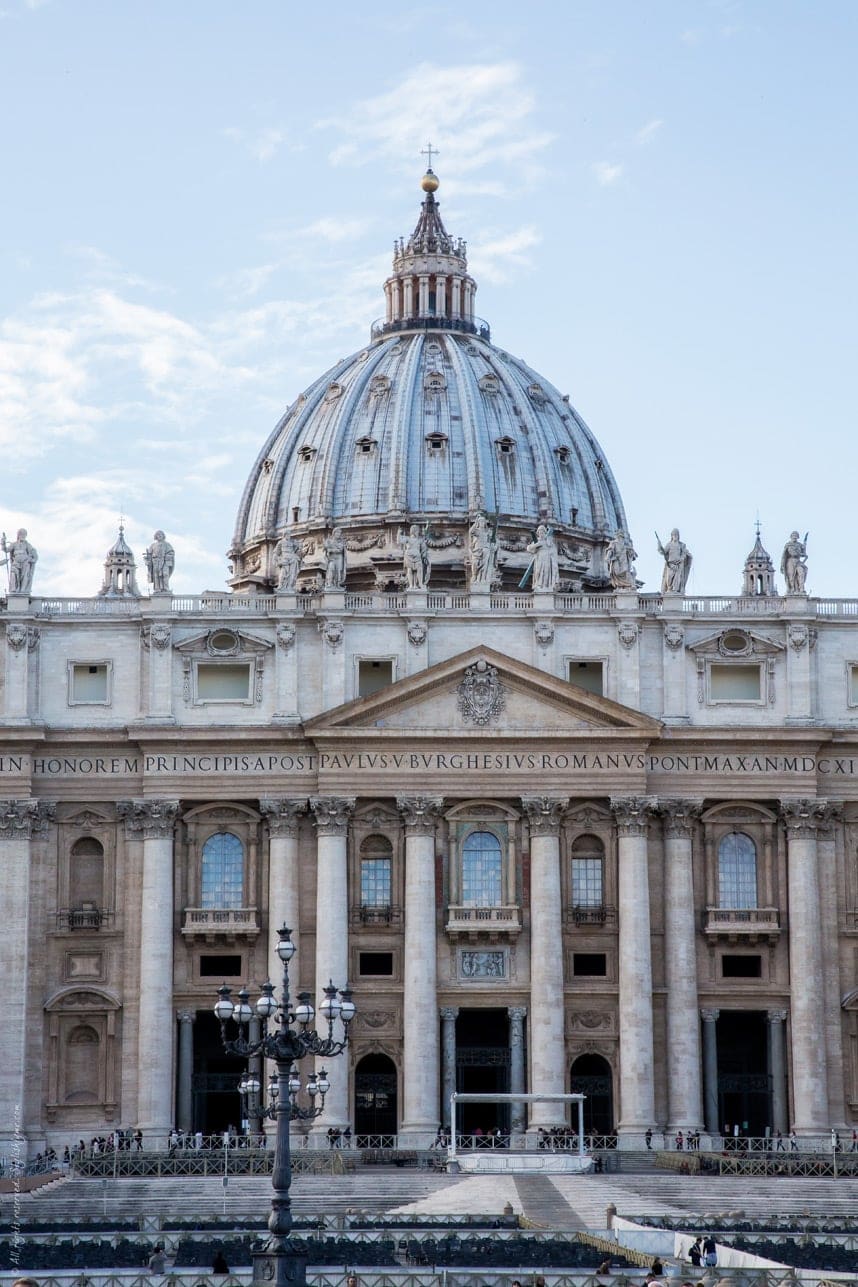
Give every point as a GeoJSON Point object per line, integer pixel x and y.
{"type": "Point", "coordinates": [419, 1000]}
{"type": "Point", "coordinates": [518, 1116]}
{"type": "Point", "coordinates": [283, 818]}
{"type": "Point", "coordinates": [154, 822]}
{"type": "Point", "coordinates": [683, 1029]}
{"type": "Point", "coordinates": [20, 821]}
{"type": "Point", "coordinates": [637, 1095]}
{"type": "Point", "coordinates": [449, 1015]}
{"type": "Point", "coordinates": [807, 991]}
{"type": "Point", "coordinates": [331, 816]}
{"type": "Point", "coordinates": [547, 1009]}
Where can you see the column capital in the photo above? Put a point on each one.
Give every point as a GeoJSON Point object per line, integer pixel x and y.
{"type": "Point", "coordinates": [282, 814]}
{"type": "Point", "coordinates": [21, 819]}
{"type": "Point", "coordinates": [802, 817]}
{"type": "Point", "coordinates": [679, 816]}
{"type": "Point", "coordinates": [420, 812]}
{"type": "Point", "coordinates": [830, 813]}
{"type": "Point", "coordinates": [709, 1016]}
{"type": "Point", "coordinates": [544, 813]}
{"type": "Point", "coordinates": [517, 1013]}
{"type": "Point", "coordinates": [151, 818]}
{"type": "Point", "coordinates": [776, 1016]}
{"type": "Point", "coordinates": [332, 814]}
{"type": "Point", "coordinates": [186, 1016]}
{"type": "Point", "coordinates": [632, 813]}
{"type": "Point", "coordinates": [449, 1012]}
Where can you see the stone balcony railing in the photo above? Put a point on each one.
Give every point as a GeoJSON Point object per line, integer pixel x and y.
{"type": "Point", "coordinates": [600, 914]}
{"type": "Point", "coordinates": [482, 922]}
{"type": "Point", "coordinates": [368, 914]}
{"type": "Point", "coordinates": [83, 918]}
{"type": "Point", "coordinates": [742, 924]}
{"type": "Point", "coordinates": [221, 922]}
{"type": "Point", "coordinates": [513, 601]}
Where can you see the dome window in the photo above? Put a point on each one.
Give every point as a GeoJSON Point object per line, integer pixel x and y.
{"type": "Point", "coordinates": [562, 454]}
{"type": "Point", "coordinates": [536, 393]}
{"type": "Point", "coordinates": [489, 384]}
{"type": "Point", "coordinates": [505, 446]}
{"type": "Point", "coordinates": [434, 382]}
{"type": "Point", "coordinates": [379, 386]}
{"type": "Point", "coordinates": [365, 446]}
{"type": "Point", "coordinates": [333, 391]}
{"type": "Point", "coordinates": [267, 465]}
{"type": "Point", "coordinates": [306, 454]}
{"type": "Point", "coordinates": [436, 442]}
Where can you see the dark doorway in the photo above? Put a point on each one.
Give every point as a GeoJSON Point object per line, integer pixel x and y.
{"type": "Point", "coordinates": [482, 1067]}
{"type": "Point", "coordinates": [744, 1084]}
{"type": "Point", "coordinates": [375, 1098]}
{"type": "Point", "coordinates": [216, 1101]}
{"type": "Point", "coordinates": [591, 1076]}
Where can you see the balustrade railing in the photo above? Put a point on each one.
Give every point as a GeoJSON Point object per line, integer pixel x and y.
{"type": "Point", "coordinates": [599, 915]}
{"type": "Point", "coordinates": [220, 920]}
{"type": "Point", "coordinates": [83, 918]}
{"type": "Point", "coordinates": [741, 920]}
{"type": "Point", "coordinates": [366, 914]}
{"type": "Point", "coordinates": [470, 919]}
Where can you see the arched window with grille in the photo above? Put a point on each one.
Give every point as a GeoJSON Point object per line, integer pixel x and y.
{"type": "Point", "coordinates": [376, 856]}
{"type": "Point", "coordinates": [737, 871]}
{"type": "Point", "coordinates": [482, 870]}
{"type": "Point", "coordinates": [588, 877]}
{"type": "Point", "coordinates": [222, 876]}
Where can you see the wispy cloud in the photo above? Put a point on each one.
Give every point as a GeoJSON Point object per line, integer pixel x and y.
{"type": "Point", "coordinates": [607, 172]}
{"type": "Point", "coordinates": [262, 144]}
{"type": "Point", "coordinates": [649, 131]}
{"type": "Point", "coordinates": [495, 259]}
{"type": "Point", "coordinates": [478, 115]}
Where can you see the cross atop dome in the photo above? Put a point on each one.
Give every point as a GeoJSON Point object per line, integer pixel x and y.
{"type": "Point", "coordinates": [430, 287]}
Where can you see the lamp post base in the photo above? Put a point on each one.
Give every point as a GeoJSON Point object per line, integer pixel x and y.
{"type": "Point", "coordinates": [281, 1267]}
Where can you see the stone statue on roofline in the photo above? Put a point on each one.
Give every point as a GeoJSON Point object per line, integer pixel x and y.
{"type": "Point", "coordinates": [620, 557]}
{"type": "Point", "coordinates": [21, 560]}
{"type": "Point", "coordinates": [160, 560]}
{"type": "Point", "coordinates": [334, 547]}
{"type": "Point", "coordinates": [415, 558]}
{"type": "Point", "coordinates": [794, 564]}
{"type": "Point", "coordinates": [288, 560]}
{"type": "Point", "coordinates": [546, 560]}
{"type": "Point", "coordinates": [482, 554]}
{"type": "Point", "coordinates": [677, 564]}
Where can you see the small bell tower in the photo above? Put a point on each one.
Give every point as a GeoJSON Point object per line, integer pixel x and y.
{"type": "Point", "coordinates": [119, 571]}
{"type": "Point", "coordinates": [759, 570]}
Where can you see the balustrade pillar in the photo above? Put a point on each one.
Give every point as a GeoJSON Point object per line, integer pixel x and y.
{"type": "Point", "coordinates": [517, 1015]}
{"type": "Point", "coordinates": [331, 816]}
{"type": "Point", "coordinates": [449, 1014]}
{"type": "Point", "coordinates": [184, 1086]}
{"type": "Point", "coordinates": [680, 952]}
{"type": "Point", "coordinates": [710, 1071]}
{"type": "Point", "coordinates": [154, 821]}
{"type": "Point", "coordinates": [283, 818]}
{"type": "Point", "coordinates": [20, 822]}
{"type": "Point", "coordinates": [420, 1110]}
{"type": "Point", "coordinates": [547, 1049]}
{"type": "Point", "coordinates": [777, 1069]}
{"type": "Point", "coordinates": [807, 1003]}
{"type": "Point", "coordinates": [637, 1092]}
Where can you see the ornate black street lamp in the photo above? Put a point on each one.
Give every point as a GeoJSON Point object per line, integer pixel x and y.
{"type": "Point", "coordinates": [280, 1262]}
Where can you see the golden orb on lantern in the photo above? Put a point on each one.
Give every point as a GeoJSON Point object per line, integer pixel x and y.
{"type": "Point", "coordinates": [429, 182]}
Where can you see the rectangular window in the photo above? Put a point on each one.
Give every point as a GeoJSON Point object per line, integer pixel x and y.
{"type": "Point", "coordinates": [853, 685]}
{"type": "Point", "coordinates": [220, 967]}
{"type": "Point", "coordinates": [586, 882]}
{"type": "Point", "coordinates": [222, 682]}
{"type": "Point", "coordinates": [374, 675]}
{"type": "Point", "coordinates": [375, 963]}
{"type": "Point", "coordinates": [741, 967]}
{"type": "Point", "coordinates": [375, 882]}
{"type": "Point", "coordinates": [589, 964]}
{"type": "Point", "coordinates": [588, 675]}
{"type": "Point", "coordinates": [89, 682]}
{"type": "Point", "coordinates": [734, 683]}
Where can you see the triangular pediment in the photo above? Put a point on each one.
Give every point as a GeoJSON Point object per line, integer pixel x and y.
{"type": "Point", "coordinates": [483, 692]}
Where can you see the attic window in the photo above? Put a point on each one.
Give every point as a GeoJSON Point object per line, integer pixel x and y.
{"type": "Point", "coordinates": [489, 384]}
{"type": "Point", "coordinates": [434, 382]}
{"type": "Point", "coordinates": [436, 442]}
{"type": "Point", "coordinates": [562, 454]}
{"type": "Point", "coordinates": [306, 454]}
{"type": "Point", "coordinates": [365, 446]}
{"type": "Point", "coordinates": [505, 446]}
{"type": "Point", "coordinates": [536, 393]}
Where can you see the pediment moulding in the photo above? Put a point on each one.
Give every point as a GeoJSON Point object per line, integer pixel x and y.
{"type": "Point", "coordinates": [91, 999]}
{"type": "Point", "coordinates": [223, 641]}
{"type": "Point", "coordinates": [475, 810]}
{"type": "Point", "coordinates": [221, 813]}
{"type": "Point", "coordinates": [739, 811]}
{"type": "Point", "coordinates": [736, 641]}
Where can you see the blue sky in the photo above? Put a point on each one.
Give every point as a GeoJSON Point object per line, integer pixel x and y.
{"type": "Point", "coordinates": [199, 203]}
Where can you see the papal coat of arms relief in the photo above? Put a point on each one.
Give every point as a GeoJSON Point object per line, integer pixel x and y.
{"type": "Point", "coordinates": [481, 694]}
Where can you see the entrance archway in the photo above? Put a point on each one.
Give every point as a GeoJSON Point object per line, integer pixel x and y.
{"type": "Point", "coordinates": [482, 1067]}
{"type": "Point", "coordinates": [590, 1075]}
{"type": "Point", "coordinates": [744, 1082]}
{"type": "Point", "coordinates": [375, 1098]}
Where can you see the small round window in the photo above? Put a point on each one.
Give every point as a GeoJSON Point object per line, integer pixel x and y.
{"type": "Point", "coordinates": [734, 641]}
{"type": "Point", "coordinates": [223, 641]}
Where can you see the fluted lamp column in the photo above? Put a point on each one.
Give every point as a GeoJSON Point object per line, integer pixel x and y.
{"type": "Point", "coordinates": [421, 1110]}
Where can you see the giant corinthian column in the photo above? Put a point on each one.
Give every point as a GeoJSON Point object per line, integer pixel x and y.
{"type": "Point", "coordinates": [20, 821]}
{"type": "Point", "coordinates": [683, 1028]}
{"type": "Point", "coordinates": [637, 1094]}
{"type": "Point", "coordinates": [283, 818]}
{"type": "Point", "coordinates": [807, 983]}
{"type": "Point", "coordinates": [154, 822]}
{"type": "Point", "coordinates": [332, 815]}
{"type": "Point", "coordinates": [421, 1113]}
{"type": "Point", "coordinates": [547, 1008]}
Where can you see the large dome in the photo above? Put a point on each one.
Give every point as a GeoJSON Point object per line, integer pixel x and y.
{"type": "Point", "coordinates": [431, 423]}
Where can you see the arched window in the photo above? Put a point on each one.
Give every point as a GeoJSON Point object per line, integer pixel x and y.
{"type": "Point", "coordinates": [737, 871]}
{"type": "Point", "coordinates": [86, 874]}
{"type": "Point", "coordinates": [222, 883]}
{"type": "Point", "coordinates": [82, 1065]}
{"type": "Point", "coordinates": [376, 854]}
{"type": "Point", "coordinates": [588, 878]}
{"type": "Point", "coordinates": [482, 868]}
